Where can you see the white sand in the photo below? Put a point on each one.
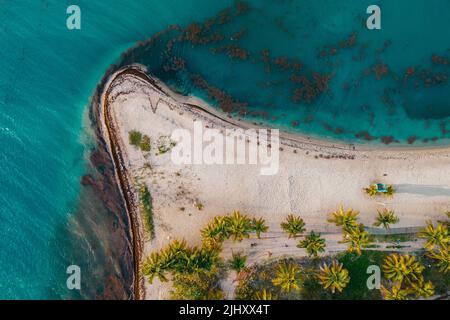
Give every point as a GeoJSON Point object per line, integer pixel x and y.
{"type": "Point", "coordinates": [305, 185]}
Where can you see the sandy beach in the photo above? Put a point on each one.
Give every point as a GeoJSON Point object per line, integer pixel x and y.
{"type": "Point", "coordinates": [314, 178]}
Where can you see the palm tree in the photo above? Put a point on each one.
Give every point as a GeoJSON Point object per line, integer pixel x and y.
{"type": "Point", "coordinates": [212, 244]}
{"type": "Point", "coordinates": [294, 226]}
{"type": "Point", "coordinates": [394, 267]}
{"type": "Point", "coordinates": [397, 293]}
{"type": "Point", "coordinates": [372, 190]}
{"type": "Point", "coordinates": [357, 238]}
{"type": "Point", "coordinates": [240, 226]}
{"type": "Point", "coordinates": [210, 232]}
{"type": "Point", "coordinates": [344, 218]}
{"type": "Point", "coordinates": [155, 266]}
{"type": "Point", "coordinates": [288, 277]}
{"type": "Point", "coordinates": [216, 232]}
{"type": "Point", "coordinates": [238, 261]}
{"type": "Point", "coordinates": [202, 259]}
{"type": "Point", "coordinates": [313, 244]}
{"type": "Point", "coordinates": [402, 267]}
{"type": "Point", "coordinates": [424, 289]}
{"type": "Point", "coordinates": [414, 269]}
{"type": "Point", "coordinates": [435, 236]}
{"type": "Point", "coordinates": [264, 294]}
{"type": "Point", "coordinates": [217, 229]}
{"type": "Point", "coordinates": [390, 191]}
{"type": "Point", "coordinates": [259, 225]}
{"type": "Point", "coordinates": [386, 218]}
{"type": "Point", "coordinates": [442, 258]}
{"type": "Point", "coordinates": [176, 255]}
{"type": "Point", "coordinates": [334, 276]}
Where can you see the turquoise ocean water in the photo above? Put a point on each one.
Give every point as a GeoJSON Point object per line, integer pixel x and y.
{"type": "Point", "coordinates": [306, 66]}
{"type": "Point", "coordinates": [48, 74]}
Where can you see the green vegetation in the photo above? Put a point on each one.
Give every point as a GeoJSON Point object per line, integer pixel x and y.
{"type": "Point", "coordinates": [198, 205]}
{"type": "Point", "coordinates": [437, 245]}
{"type": "Point", "coordinates": [155, 266]}
{"type": "Point", "coordinates": [236, 226]}
{"type": "Point", "coordinates": [140, 141]}
{"type": "Point", "coordinates": [178, 258]}
{"type": "Point", "coordinates": [441, 258]}
{"type": "Point", "coordinates": [357, 238]}
{"type": "Point", "coordinates": [357, 269]}
{"type": "Point", "coordinates": [216, 232]}
{"type": "Point", "coordinates": [344, 218]}
{"type": "Point", "coordinates": [334, 276]}
{"type": "Point", "coordinates": [294, 226]}
{"type": "Point", "coordinates": [145, 144]}
{"type": "Point", "coordinates": [373, 191]}
{"type": "Point", "coordinates": [313, 244]}
{"type": "Point", "coordinates": [401, 237]}
{"type": "Point", "coordinates": [398, 268]}
{"type": "Point", "coordinates": [259, 278]}
{"type": "Point", "coordinates": [264, 294]}
{"type": "Point", "coordinates": [237, 262]}
{"type": "Point", "coordinates": [164, 145]}
{"type": "Point", "coordinates": [435, 236]}
{"type": "Point", "coordinates": [146, 208]}
{"type": "Point", "coordinates": [135, 138]}
{"type": "Point", "coordinates": [386, 218]}
{"type": "Point", "coordinates": [196, 271]}
{"type": "Point", "coordinates": [197, 286]}
{"type": "Point", "coordinates": [354, 233]}
{"type": "Point", "coordinates": [390, 191]}
{"type": "Point", "coordinates": [288, 277]}
{"type": "Point", "coordinates": [396, 292]}
{"type": "Point", "coordinates": [259, 225]}
{"type": "Point", "coordinates": [240, 226]}
{"type": "Point", "coordinates": [406, 274]}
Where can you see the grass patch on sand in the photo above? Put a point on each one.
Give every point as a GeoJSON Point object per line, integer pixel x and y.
{"type": "Point", "coordinates": [145, 144]}
{"type": "Point", "coordinates": [139, 140]}
{"type": "Point", "coordinates": [145, 204]}
{"type": "Point", "coordinates": [395, 237]}
{"type": "Point", "coordinates": [135, 138]}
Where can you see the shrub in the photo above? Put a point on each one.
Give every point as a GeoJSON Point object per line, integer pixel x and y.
{"type": "Point", "coordinates": [135, 138]}
{"type": "Point", "coordinates": [164, 144]}
{"type": "Point", "coordinates": [178, 258]}
{"type": "Point", "coordinates": [145, 143]}
{"type": "Point", "coordinates": [294, 226]}
{"type": "Point", "coordinates": [238, 261]}
{"type": "Point", "coordinates": [146, 207]}
{"type": "Point", "coordinates": [197, 286]}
